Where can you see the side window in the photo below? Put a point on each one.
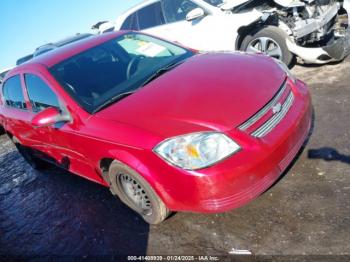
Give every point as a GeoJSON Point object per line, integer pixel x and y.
{"type": "Point", "coordinates": [130, 23]}
{"type": "Point", "coordinates": [151, 16]}
{"type": "Point", "coordinates": [40, 94]}
{"type": "Point", "coordinates": [13, 94]}
{"type": "Point", "coordinates": [176, 10]}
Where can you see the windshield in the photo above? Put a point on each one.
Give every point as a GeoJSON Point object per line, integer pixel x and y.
{"type": "Point", "coordinates": [215, 2]}
{"type": "Point", "coordinates": [118, 66]}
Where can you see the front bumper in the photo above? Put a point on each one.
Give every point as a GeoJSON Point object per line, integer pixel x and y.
{"type": "Point", "coordinates": [337, 50]}
{"type": "Point", "coordinates": [243, 176]}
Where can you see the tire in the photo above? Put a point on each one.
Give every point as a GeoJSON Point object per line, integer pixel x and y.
{"type": "Point", "coordinates": [275, 37]}
{"type": "Point", "coordinates": [131, 187]}
{"type": "Point", "coordinates": [28, 155]}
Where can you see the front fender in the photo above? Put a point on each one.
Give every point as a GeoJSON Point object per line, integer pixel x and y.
{"type": "Point", "coordinates": [247, 18]}
{"type": "Point", "coordinates": [247, 24]}
{"type": "Point", "coordinates": [140, 160]}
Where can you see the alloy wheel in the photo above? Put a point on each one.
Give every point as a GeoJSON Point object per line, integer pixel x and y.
{"type": "Point", "coordinates": [267, 46]}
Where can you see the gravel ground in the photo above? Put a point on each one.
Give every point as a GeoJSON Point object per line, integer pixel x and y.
{"type": "Point", "coordinates": [306, 213]}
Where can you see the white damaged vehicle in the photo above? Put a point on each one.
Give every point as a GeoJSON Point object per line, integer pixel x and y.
{"type": "Point", "coordinates": [282, 29]}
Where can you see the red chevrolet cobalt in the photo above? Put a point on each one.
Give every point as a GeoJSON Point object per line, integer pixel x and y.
{"type": "Point", "coordinates": [165, 128]}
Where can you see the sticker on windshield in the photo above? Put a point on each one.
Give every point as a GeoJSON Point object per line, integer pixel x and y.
{"type": "Point", "coordinates": [151, 49]}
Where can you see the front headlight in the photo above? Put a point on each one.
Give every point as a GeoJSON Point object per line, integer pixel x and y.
{"type": "Point", "coordinates": [197, 150]}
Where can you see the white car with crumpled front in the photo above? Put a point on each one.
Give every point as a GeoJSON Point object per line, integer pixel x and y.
{"type": "Point", "coordinates": [282, 29]}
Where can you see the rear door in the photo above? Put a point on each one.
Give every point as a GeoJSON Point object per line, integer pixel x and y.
{"type": "Point", "coordinates": [15, 109]}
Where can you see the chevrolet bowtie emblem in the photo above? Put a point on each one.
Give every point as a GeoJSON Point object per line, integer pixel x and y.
{"type": "Point", "coordinates": [277, 108]}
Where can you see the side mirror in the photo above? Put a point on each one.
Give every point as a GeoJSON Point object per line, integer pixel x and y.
{"type": "Point", "coordinates": [195, 13]}
{"type": "Point", "coordinates": [50, 116]}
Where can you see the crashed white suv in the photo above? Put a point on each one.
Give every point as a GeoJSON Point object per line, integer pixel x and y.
{"type": "Point", "coordinates": [279, 28]}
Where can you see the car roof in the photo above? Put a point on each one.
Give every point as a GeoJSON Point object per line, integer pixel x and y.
{"type": "Point", "coordinates": [64, 41]}
{"type": "Point", "coordinates": [24, 59]}
{"type": "Point", "coordinates": [70, 39]}
{"type": "Point", "coordinates": [58, 55]}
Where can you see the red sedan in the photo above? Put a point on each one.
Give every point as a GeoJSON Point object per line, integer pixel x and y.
{"type": "Point", "coordinates": [165, 128]}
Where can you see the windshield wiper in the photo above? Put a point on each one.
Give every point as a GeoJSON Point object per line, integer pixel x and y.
{"type": "Point", "coordinates": [113, 100]}
{"type": "Point", "coordinates": [161, 71]}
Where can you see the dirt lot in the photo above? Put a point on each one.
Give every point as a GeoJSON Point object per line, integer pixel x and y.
{"type": "Point", "coordinates": [306, 213]}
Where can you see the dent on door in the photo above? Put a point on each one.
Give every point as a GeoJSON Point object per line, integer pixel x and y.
{"type": "Point", "coordinates": [71, 148]}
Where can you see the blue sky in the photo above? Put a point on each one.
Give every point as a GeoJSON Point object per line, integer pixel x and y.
{"type": "Point", "coordinates": [27, 24]}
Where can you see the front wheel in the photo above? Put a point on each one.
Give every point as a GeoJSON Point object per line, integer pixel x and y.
{"type": "Point", "coordinates": [134, 191]}
{"type": "Point", "coordinates": [270, 41]}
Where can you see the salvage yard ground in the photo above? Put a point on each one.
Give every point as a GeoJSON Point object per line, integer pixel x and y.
{"type": "Point", "coordinates": [306, 212]}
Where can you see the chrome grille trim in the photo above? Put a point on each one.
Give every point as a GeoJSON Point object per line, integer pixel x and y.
{"type": "Point", "coordinates": [273, 121]}
{"type": "Point", "coordinates": [264, 110]}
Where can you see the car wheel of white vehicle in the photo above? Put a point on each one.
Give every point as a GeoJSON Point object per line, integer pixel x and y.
{"type": "Point", "coordinates": [271, 41]}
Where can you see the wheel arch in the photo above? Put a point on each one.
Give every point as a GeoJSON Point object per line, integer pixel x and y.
{"type": "Point", "coordinates": [121, 155]}
{"type": "Point", "coordinates": [250, 29]}
{"type": "Point", "coordinates": [104, 165]}
{"type": "Point", "coordinates": [8, 133]}
{"type": "Point", "coordinates": [136, 164]}
{"type": "Point", "coordinates": [243, 31]}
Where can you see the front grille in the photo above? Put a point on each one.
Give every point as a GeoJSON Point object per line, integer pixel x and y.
{"type": "Point", "coordinates": [251, 121]}
{"type": "Point", "coordinates": [264, 121]}
{"type": "Point", "coordinates": [275, 119]}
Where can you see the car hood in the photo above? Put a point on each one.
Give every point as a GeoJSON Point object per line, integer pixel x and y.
{"type": "Point", "coordinates": [215, 91]}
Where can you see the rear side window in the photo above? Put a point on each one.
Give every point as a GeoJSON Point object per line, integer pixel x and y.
{"type": "Point", "coordinates": [151, 16]}
{"type": "Point", "coordinates": [130, 23]}
{"type": "Point", "coordinates": [13, 94]}
{"type": "Point", "coordinates": [40, 94]}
